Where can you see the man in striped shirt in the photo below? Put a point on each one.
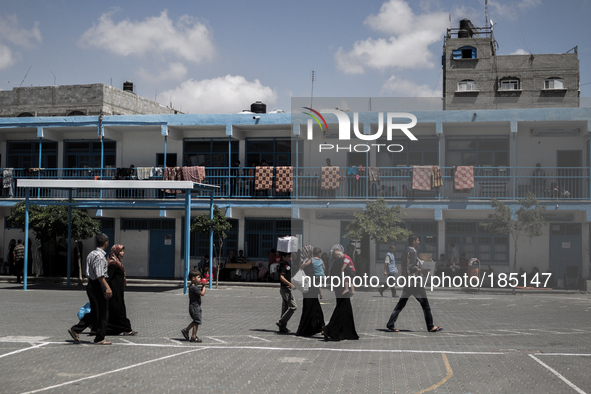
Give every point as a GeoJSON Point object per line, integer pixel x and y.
{"type": "Point", "coordinates": [98, 292]}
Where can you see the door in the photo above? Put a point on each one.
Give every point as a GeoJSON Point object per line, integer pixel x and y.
{"type": "Point", "coordinates": [569, 172]}
{"type": "Point", "coordinates": [565, 248]}
{"type": "Point", "coordinates": [161, 254]}
{"type": "Point", "coordinates": [356, 248]}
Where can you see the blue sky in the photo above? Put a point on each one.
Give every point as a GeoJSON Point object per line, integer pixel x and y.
{"type": "Point", "coordinates": [221, 56]}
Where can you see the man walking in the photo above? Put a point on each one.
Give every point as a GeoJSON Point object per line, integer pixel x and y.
{"type": "Point", "coordinates": [19, 260]}
{"type": "Point", "coordinates": [98, 292]}
{"type": "Point", "coordinates": [390, 270]}
{"type": "Point", "coordinates": [412, 263]}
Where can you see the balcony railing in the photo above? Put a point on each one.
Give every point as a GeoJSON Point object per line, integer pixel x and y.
{"type": "Point", "coordinates": [353, 183]}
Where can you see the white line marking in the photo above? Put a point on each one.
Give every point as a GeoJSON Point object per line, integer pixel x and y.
{"type": "Point", "coordinates": [378, 336]}
{"type": "Point", "coordinates": [173, 341]}
{"type": "Point", "coordinates": [548, 331]}
{"type": "Point", "coordinates": [262, 339]}
{"type": "Point", "coordinates": [22, 350]}
{"type": "Point", "coordinates": [126, 341]}
{"type": "Point", "coordinates": [409, 333]}
{"type": "Point", "coordinates": [113, 371]}
{"type": "Point", "coordinates": [564, 354]}
{"type": "Point", "coordinates": [218, 340]}
{"type": "Point", "coordinates": [565, 380]}
{"type": "Point", "coordinates": [517, 332]}
{"type": "Point", "coordinates": [304, 349]}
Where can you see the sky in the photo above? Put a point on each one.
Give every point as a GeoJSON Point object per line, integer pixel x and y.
{"type": "Point", "coordinates": [221, 56]}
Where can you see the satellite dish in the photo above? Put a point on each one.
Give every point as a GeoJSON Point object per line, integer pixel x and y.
{"type": "Point", "coordinates": [492, 24]}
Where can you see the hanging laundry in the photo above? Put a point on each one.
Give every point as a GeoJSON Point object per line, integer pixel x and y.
{"type": "Point", "coordinates": [263, 179]}
{"type": "Point", "coordinates": [463, 178]}
{"type": "Point", "coordinates": [283, 183]}
{"type": "Point", "coordinates": [330, 178]}
{"type": "Point", "coordinates": [421, 177]}
{"type": "Point", "coordinates": [436, 180]}
{"type": "Point", "coordinates": [374, 174]}
{"type": "Point", "coordinates": [143, 173]}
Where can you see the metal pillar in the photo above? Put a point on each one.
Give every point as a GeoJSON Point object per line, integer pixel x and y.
{"type": "Point", "coordinates": [187, 238]}
{"type": "Point", "coordinates": [69, 236]}
{"type": "Point", "coordinates": [26, 239]}
{"type": "Point", "coordinates": [211, 240]}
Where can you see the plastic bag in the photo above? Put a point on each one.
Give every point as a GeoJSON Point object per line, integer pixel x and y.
{"type": "Point", "coordinates": [84, 311]}
{"type": "Point", "coordinates": [299, 282]}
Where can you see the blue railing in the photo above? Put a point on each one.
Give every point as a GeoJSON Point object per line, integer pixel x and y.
{"type": "Point", "coordinates": [353, 183]}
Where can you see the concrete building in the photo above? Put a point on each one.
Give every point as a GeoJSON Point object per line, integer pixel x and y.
{"type": "Point", "coordinates": [475, 77]}
{"type": "Point", "coordinates": [77, 100]}
{"type": "Point", "coordinates": [496, 121]}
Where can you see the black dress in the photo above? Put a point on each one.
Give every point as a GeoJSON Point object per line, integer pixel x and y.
{"type": "Point", "coordinates": [312, 319]}
{"type": "Point", "coordinates": [342, 323]}
{"type": "Point", "coordinates": [118, 321]}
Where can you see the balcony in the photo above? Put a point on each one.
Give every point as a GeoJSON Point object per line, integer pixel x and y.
{"type": "Point", "coordinates": [352, 183]}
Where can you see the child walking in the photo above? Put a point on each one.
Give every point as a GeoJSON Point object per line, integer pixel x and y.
{"type": "Point", "coordinates": [195, 295]}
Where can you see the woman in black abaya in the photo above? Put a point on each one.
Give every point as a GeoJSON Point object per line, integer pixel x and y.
{"type": "Point", "coordinates": [118, 321]}
{"type": "Point", "coordinates": [312, 320]}
{"type": "Point", "coordinates": [342, 323]}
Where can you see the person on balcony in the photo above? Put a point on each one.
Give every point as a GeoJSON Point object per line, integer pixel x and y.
{"type": "Point", "coordinates": [538, 180]}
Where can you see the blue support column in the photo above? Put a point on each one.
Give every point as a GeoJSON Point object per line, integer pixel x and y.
{"type": "Point", "coordinates": [439, 132]}
{"type": "Point", "coordinates": [69, 236]}
{"type": "Point", "coordinates": [165, 141]}
{"type": "Point", "coordinates": [187, 238]}
{"type": "Point", "coordinates": [26, 239]}
{"type": "Point", "coordinates": [230, 191]}
{"type": "Point", "coordinates": [514, 133]}
{"type": "Point", "coordinates": [40, 155]}
{"type": "Point", "coordinates": [297, 165]}
{"type": "Point", "coordinates": [211, 240]}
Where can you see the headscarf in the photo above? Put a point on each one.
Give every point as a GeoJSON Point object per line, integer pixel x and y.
{"type": "Point", "coordinates": [306, 253]}
{"type": "Point", "coordinates": [332, 260]}
{"type": "Point", "coordinates": [114, 259]}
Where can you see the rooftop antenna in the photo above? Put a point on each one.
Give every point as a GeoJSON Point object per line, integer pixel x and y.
{"type": "Point", "coordinates": [486, 20]}
{"type": "Point", "coordinates": [312, 94]}
{"type": "Point", "coordinates": [54, 77]}
{"type": "Point", "coordinates": [25, 76]}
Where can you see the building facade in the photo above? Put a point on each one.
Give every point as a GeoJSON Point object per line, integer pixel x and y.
{"type": "Point", "coordinates": [503, 146]}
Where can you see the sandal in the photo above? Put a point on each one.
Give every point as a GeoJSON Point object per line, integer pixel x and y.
{"type": "Point", "coordinates": [435, 329]}
{"type": "Point", "coordinates": [131, 333]}
{"type": "Point", "coordinates": [74, 335]}
{"type": "Point", "coordinates": [103, 342]}
{"type": "Point", "coordinates": [392, 329]}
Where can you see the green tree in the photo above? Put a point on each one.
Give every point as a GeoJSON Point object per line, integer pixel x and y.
{"type": "Point", "coordinates": [51, 221]}
{"type": "Point", "coordinates": [378, 221]}
{"type": "Point", "coordinates": [527, 221]}
{"type": "Point", "coordinates": [220, 225]}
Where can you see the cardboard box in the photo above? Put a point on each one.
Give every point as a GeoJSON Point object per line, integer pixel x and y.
{"type": "Point", "coordinates": [425, 256]}
{"type": "Point", "coordinates": [287, 244]}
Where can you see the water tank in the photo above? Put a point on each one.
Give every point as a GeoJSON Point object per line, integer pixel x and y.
{"type": "Point", "coordinates": [465, 24]}
{"type": "Point", "coordinates": [128, 86]}
{"type": "Point", "coordinates": [258, 107]}
{"type": "Point", "coordinates": [463, 34]}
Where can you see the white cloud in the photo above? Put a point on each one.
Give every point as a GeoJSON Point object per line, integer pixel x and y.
{"type": "Point", "coordinates": [187, 39]}
{"type": "Point", "coordinates": [408, 88]}
{"type": "Point", "coordinates": [229, 94]}
{"type": "Point", "coordinates": [407, 45]}
{"type": "Point", "coordinates": [520, 52]}
{"type": "Point", "coordinates": [176, 71]}
{"type": "Point", "coordinates": [12, 34]}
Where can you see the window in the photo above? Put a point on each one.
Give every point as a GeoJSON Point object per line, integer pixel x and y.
{"type": "Point", "coordinates": [209, 152]}
{"type": "Point", "coordinates": [509, 84]}
{"type": "Point", "coordinates": [424, 152]}
{"type": "Point", "coordinates": [261, 234]}
{"type": "Point", "coordinates": [22, 154]}
{"type": "Point", "coordinates": [87, 154]}
{"type": "Point", "coordinates": [147, 224]}
{"type": "Point", "coordinates": [472, 240]}
{"type": "Point", "coordinates": [170, 160]}
{"type": "Point", "coordinates": [276, 151]}
{"type": "Point", "coordinates": [554, 83]}
{"type": "Point", "coordinates": [466, 52]}
{"type": "Point", "coordinates": [467, 85]}
{"type": "Point", "coordinates": [477, 151]}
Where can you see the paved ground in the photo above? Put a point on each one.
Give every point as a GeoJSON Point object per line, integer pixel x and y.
{"type": "Point", "coordinates": [493, 343]}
